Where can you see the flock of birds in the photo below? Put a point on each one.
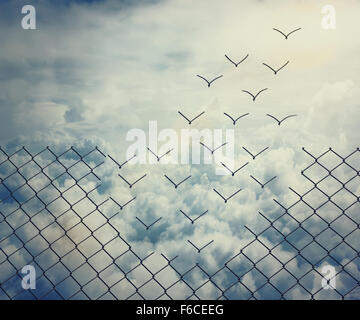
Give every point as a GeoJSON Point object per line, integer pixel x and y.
{"type": "Point", "coordinates": [242, 60]}
{"type": "Point", "coordinates": [234, 120]}
{"type": "Point", "coordinates": [253, 96]}
{"type": "Point", "coordinates": [253, 155]}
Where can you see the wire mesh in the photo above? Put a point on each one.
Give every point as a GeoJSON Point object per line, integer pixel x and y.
{"type": "Point", "coordinates": [53, 218]}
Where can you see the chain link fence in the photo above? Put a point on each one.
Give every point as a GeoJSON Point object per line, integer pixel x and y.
{"type": "Point", "coordinates": [55, 218]}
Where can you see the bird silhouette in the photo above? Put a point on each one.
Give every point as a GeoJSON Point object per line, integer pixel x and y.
{"type": "Point", "coordinates": [121, 165]}
{"type": "Point", "coordinates": [254, 96]}
{"type": "Point", "coordinates": [274, 70]}
{"type": "Point", "coordinates": [234, 120]}
{"type": "Point", "coordinates": [228, 198]}
{"type": "Point", "coordinates": [213, 150]}
{"type": "Point", "coordinates": [263, 184]}
{"type": "Point", "coordinates": [234, 63]}
{"type": "Point", "coordinates": [177, 184]}
{"type": "Point", "coordinates": [279, 122]}
{"type": "Point", "coordinates": [286, 35]}
{"type": "Point", "coordinates": [199, 249]}
{"type": "Point", "coordinates": [193, 220]}
{"type": "Point", "coordinates": [122, 206]}
{"type": "Point", "coordinates": [157, 157]}
{"type": "Point", "coordinates": [150, 225]}
{"type": "Point", "coordinates": [190, 121]}
{"type": "Point", "coordinates": [234, 172]}
{"type": "Point", "coordinates": [254, 156]}
{"type": "Point", "coordinates": [131, 184]}
{"type": "Point", "coordinates": [209, 82]}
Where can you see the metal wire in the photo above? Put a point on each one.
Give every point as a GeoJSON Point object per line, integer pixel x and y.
{"type": "Point", "coordinates": [67, 233]}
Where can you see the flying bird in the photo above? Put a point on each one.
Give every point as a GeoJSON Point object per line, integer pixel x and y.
{"type": "Point", "coordinates": [209, 82]}
{"type": "Point", "coordinates": [199, 249]}
{"type": "Point", "coordinates": [157, 157]}
{"type": "Point", "coordinates": [213, 150]}
{"type": "Point", "coordinates": [228, 198]}
{"type": "Point", "coordinates": [177, 184]}
{"type": "Point", "coordinates": [191, 119]}
{"type": "Point", "coordinates": [193, 220]}
{"type": "Point", "coordinates": [233, 172]}
{"type": "Point", "coordinates": [121, 165]}
{"type": "Point", "coordinates": [279, 122]}
{"type": "Point", "coordinates": [131, 184]}
{"type": "Point", "coordinates": [234, 63]}
{"type": "Point", "coordinates": [274, 70]}
{"type": "Point", "coordinates": [122, 206]}
{"type": "Point", "coordinates": [254, 96]}
{"type": "Point", "coordinates": [234, 120]}
{"type": "Point", "coordinates": [263, 184]}
{"type": "Point", "coordinates": [150, 225]}
{"type": "Point", "coordinates": [286, 35]}
{"type": "Point", "coordinates": [254, 156]}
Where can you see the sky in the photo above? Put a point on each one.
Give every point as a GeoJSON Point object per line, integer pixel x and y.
{"type": "Point", "coordinates": [93, 71]}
